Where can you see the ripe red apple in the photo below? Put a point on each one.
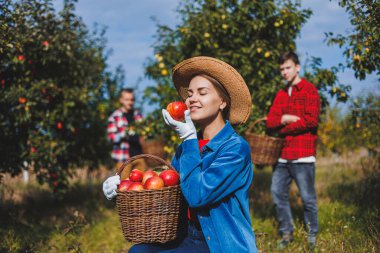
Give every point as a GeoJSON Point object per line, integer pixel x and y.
{"type": "Point", "coordinates": [170, 177]}
{"type": "Point", "coordinates": [136, 175]}
{"type": "Point", "coordinates": [22, 100]}
{"type": "Point", "coordinates": [176, 110]}
{"type": "Point", "coordinates": [148, 174]}
{"type": "Point", "coordinates": [154, 183]}
{"type": "Point", "coordinates": [135, 186]}
{"type": "Point", "coordinates": [124, 184]}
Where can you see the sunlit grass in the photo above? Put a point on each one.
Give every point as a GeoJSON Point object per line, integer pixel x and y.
{"type": "Point", "coordinates": [84, 221]}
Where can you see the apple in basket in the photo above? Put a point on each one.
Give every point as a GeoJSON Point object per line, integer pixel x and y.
{"type": "Point", "coordinates": [154, 183]}
{"type": "Point", "coordinates": [124, 184]}
{"type": "Point", "coordinates": [148, 174]}
{"type": "Point", "coordinates": [177, 109]}
{"type": "Point", "coordinates": [136, 175]}
{"type": "Point", "coordinates": [170, 177]}
{"type": "Point", "coordinates": [135, 186]}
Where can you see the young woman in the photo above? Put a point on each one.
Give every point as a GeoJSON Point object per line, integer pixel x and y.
{"type": "Point", "coordinates": [214, 164]}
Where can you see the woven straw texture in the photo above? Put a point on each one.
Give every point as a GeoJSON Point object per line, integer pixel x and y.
{"type": "Point", "coordinates": [231, 80]}
{"type": "Point", "coordinates": [265, 150]}
{"type": "Point", "coordinates": [152, 216]}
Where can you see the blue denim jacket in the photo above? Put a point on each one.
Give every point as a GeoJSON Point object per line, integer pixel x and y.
{"type": "Point", "coordinates": [217, 181]}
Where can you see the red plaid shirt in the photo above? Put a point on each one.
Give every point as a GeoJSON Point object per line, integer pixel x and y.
{"type": "Point", "coordinates": [300, 136]}
{"type": "Point", "coordinates": [116, 130]}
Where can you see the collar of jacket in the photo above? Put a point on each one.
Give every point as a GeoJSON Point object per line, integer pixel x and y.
{"type": "Point", "coordinates": [220, 137]}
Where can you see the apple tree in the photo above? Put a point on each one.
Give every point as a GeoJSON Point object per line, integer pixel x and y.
{"type": "Point", "coordinates": [361, 43]}
{"type": "Point", "coordinates": [365, 120]}
{"type": "Point", "coordinates": [249, 35]}
{"type": "Point", "coordinates": [54, 83]}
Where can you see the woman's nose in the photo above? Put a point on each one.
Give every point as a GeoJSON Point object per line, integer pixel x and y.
{"type": "Point", "coordinates": [192, 99]}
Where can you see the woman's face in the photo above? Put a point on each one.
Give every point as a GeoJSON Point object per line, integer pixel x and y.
{"type": "Point", "coordinates": [203, 101]}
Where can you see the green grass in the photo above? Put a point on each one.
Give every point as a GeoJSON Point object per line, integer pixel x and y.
{"type": "Point", "coordinates": [32, 220]}
{"type": "Point", "coordinates": [82, 221]}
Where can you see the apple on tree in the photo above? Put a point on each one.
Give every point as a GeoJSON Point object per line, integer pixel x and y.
{"type": "Point", "coordinates": [177, 110]}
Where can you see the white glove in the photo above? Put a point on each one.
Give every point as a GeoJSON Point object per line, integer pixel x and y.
{"type": "Point", "coordinates": [110, 186]}
{"type": "Point", "coordinates": [185, 130]}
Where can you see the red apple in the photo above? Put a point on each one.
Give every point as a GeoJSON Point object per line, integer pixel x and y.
{"type": "Point", "coordinates": [154, 183]}
{"type": "Point", "coordinates": [176, 110]}
{"type": "Point", "coordinates": [148, 174]}
{"type": "Point", "coordinates": [22, 100]}
{"type": "Point", "coordinates": [170, 177]}
{"type": "Point", "coordinates": [136, 175]}
{"type": "Point", "coordinates": [135, 186]}
{"type": "Point", "coordinates": [124, 184]}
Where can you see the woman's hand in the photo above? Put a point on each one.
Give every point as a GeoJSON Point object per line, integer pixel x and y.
{"type": "Point", "coordinates": [110, 186]}
{"type": "Point", "coordinates": [186, 130]}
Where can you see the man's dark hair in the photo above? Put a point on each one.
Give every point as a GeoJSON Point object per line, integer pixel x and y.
{"type": "Point", "coordinates": [127, 90]}
{"type": "Point", "coordinates": [289, 56]}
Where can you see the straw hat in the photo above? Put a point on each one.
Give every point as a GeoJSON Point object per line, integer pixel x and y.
{"type": "Point", "coordinates": [232, 81]}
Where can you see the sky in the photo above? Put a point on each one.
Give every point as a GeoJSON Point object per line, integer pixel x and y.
{"type": "Point", "coordinates": [130, 34]}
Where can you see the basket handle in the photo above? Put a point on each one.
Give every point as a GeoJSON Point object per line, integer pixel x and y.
{"type": "Point", "coordinates": [254, 123]}
{"type": "Point", "coordinates": [120, 170]}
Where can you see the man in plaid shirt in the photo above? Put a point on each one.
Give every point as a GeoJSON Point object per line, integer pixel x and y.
{"type": "Point", "coordinates": [121, 132]}
{"type": "Point", "coordinates": [294, 114]}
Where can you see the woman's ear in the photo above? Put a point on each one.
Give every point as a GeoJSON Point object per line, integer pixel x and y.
{"type": "Point", "coordinates": [222, 105]}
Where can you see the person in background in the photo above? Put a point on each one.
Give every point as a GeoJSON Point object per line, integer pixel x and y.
{"type": "Point", "coordinates": [121, 132]}
{"type": "Point", "coordinates": [294, 114]}
{"type": "Point", "coordinates": [214, 164]}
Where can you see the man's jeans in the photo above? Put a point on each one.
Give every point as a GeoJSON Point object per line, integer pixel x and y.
{"type": "Point", "coordinates": [304, 176]}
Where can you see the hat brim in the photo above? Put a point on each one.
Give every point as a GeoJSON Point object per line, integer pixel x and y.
{"type": "Point", "coordinates": [232, 81]}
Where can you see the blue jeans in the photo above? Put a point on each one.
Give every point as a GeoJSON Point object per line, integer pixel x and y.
{"type": "Point", "coordinates": [304, 176]}
{"type": "Point", "coordinates": [194, 242]}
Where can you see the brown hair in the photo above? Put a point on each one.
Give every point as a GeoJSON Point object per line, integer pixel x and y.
{"type": "Point", "coordinates": [289, 56]}
{"type": "Point", "coordinates": [127, 90]}
{"type": "Point", "coordinates": [222, 93]}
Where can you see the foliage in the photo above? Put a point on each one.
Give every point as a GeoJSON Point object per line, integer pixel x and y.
{"type": "Point", "coordinates": [361, 44]}
{"type": "Point", "coordinates": [365, 120]}
{"type": "Point", "coordinates": [249, 35]}
{"type": "Point", "coordinates": [359, 127]}
{"type": "Point", "coordinates": [334, 135]}
{"type": "Point", "coordinates": [54, 84]}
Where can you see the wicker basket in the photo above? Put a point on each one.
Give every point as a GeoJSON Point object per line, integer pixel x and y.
{"type": "Point", "coordinates": [152, 216]}
{"type": "Point", "coordinates": [153, 147]}
{"type": "Point", "coordinates": [265, 150]}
